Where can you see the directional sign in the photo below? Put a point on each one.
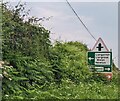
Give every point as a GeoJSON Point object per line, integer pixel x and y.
{"type": "Point", "coordinates": [100, 58]}
{"type": "Point", "coordinates": [100, 46]}
{"type": "Point", "coordinates": [102, 61]}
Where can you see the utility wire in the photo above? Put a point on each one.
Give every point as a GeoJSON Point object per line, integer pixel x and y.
{"type": "Point", "coordinates": [81, 20]}
{"type": "Point", "coordinates": [83, 23]}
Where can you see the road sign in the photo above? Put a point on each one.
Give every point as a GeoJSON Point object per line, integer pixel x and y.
{"type": "Point", "coordinates": [103, 58]}
{"type": "Point", "coordinates": [99, 58]}
{"type": "Point", "coordinates": [108, 75]}
{"type": "Point", "coordinates": [101, 61]}
{"type": "Point", "coordinates": [100, 46]}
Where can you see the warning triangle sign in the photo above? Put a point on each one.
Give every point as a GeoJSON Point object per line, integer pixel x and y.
{"type": "Point", "coordinates": [100, 46]}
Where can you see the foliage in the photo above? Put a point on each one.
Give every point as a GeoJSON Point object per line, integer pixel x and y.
{"type": "Point", "coordinates": [22, 37]}
{"type": "Point", "coordinates": [72, 60]}
{"type": "Point", "coordinates": [25, 49]}
{"type": "Point", "coordinates": [36, 69]}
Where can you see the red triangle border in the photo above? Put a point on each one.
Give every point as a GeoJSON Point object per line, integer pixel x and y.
{"type": "Point", "coordinates": [102, 42]}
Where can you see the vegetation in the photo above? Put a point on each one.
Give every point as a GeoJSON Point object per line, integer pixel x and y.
{"type": "Point", "coordinates": [36, 69]}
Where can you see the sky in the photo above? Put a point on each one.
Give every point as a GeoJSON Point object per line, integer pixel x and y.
{"type": "Point", "coordinates": [101, 18]}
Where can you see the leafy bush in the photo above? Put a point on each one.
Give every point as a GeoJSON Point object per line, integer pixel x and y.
{"type": "Point", "coordinates": [35, 69]}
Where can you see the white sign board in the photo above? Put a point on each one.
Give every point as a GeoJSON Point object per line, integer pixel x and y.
{"type": "Point", "coordinates": [99, 68]}
{"type": "Point", "coordinates": [102, 58]}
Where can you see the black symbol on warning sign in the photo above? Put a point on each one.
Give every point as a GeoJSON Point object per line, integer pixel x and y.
{"type": "Point", "coordinates": [99, 47]}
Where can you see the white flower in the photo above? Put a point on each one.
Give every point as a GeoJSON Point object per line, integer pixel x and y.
{"type": "Point", "coordinates": [6, 95]}
{"type": "Point", "coordinates": [1, 67]}
{"type": "Point", "coordinates": [1, 62]}
{"type": "Point", "coordinates": [10, 79]}
{"type": "Point", "coordinates": [1, 76]}
{"type": "Point", "coordinates": [5, 73]}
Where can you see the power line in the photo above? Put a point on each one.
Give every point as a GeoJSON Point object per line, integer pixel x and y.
{"type": "Point", "coordinates": [81, 20]}
{"type": "Point", "coordinates": [84, 24]}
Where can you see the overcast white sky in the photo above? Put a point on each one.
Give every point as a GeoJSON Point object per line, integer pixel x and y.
{"type": "Point", "coordinates": [101, 18]}
{"type": "Point", "coordinates": [63, 0]}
